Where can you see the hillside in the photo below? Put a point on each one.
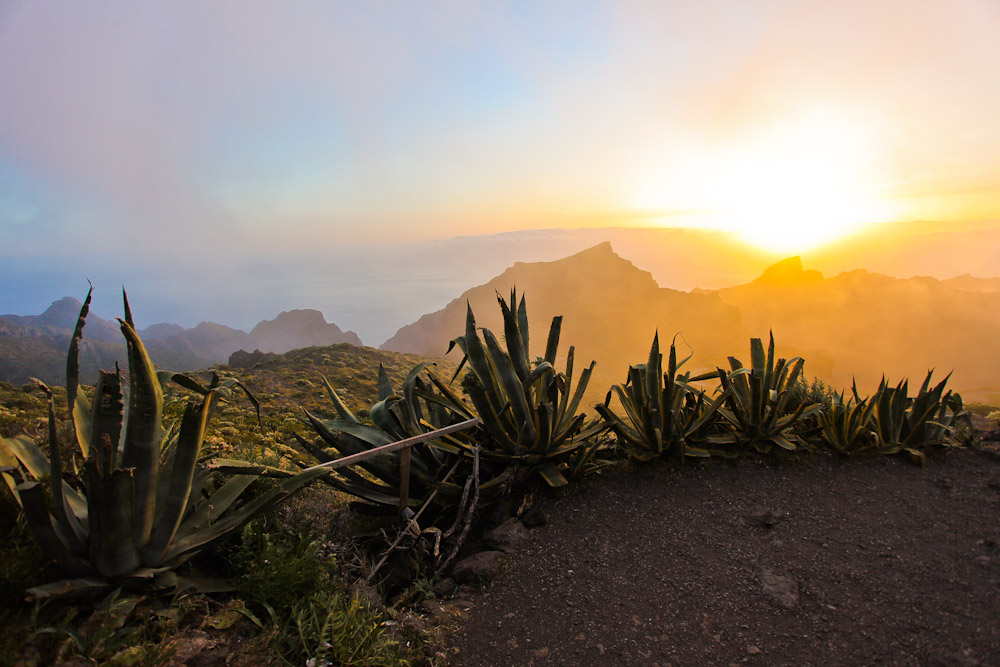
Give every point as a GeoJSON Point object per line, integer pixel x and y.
{"type": "Point", "coordinates": [610, 311]}
{"type": "Point", "coordinates": [294, 380]}
{"type": "Point", "coordinates": [862, 324]}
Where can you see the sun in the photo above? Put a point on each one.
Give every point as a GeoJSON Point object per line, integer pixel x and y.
{"type": "Point", "coordinates": [787, 188]}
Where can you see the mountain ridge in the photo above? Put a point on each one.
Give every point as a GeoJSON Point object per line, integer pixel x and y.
{"type": "Point", "coordinates": [35, 345]}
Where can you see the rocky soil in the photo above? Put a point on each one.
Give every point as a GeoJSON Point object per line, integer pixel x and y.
{"type": "Point", "coordinates": [834, 562]}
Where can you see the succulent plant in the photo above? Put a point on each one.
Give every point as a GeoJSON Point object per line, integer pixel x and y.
{"type": "Point", "coordinates": [664, 413]}
{"type": "Point", "coordinates": [904, 424]}
{"type": "Point", "coordinates": [421, 407]}
{"type": "Point", "coordinates": [528, 409]}
{"type": "Point", "coordinates": [846, 425]}
{"type": "Point", "coordinates": [142, 504]}
{"type": "Point", "coordinates": [758, 398]}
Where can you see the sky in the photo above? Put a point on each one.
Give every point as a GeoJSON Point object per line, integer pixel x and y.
{"type": "Point", "coordinates": [228, 160]}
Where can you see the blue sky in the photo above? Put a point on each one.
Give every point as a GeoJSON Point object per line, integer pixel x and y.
{"type": "Point", "coordinates": [174, 147]}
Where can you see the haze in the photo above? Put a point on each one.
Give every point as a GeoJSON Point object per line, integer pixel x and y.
{"type": "Point", "coordinates": [227, 161]}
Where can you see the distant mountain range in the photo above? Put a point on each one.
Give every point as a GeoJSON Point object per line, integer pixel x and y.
{"type": "Point", "coordinates": [862, 325]}
{"type": "Point", "coordinates": [35, 346]}
{"type": "Point", "coordinates": [857, 324]}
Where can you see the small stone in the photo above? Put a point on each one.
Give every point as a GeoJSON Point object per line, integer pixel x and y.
{"type": "Point", "coordinates": [784, 590]}
{"type": "Point", "coordinates": [534, 517]}
{"type": "Point", "coordinates": [753, 650]}
{"type": "Point", "coordinates": [766, 518]}
{"type": "Point", "coordinates": [412, 622]}
{"type": "Point", "coordinates": [508, 536]}
{"type": "Point", "coordinates": [367, 594]}
{"type": "Point", "coordinates": [444, 587]}
{"type": "Point", "coordinates": [478, 568]}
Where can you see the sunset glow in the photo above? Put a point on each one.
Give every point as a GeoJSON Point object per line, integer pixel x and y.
{"type": "Point", "coordinates": [284, 144]}
{"type": "Point", "coordinates": [787, 187]}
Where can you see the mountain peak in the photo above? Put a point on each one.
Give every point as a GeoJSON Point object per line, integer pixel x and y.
{"type": "Point", "coordinates": [603, 248]}
{"type": "Point", "coordinates": [299, 328]}
{"type": "Point", "coordinates": [788, 272]}
{"type": "Point", "coordinates": [62, 313]}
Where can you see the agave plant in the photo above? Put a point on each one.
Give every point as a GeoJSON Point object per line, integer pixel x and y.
{"type": "Point", "coordinates": [528, 409]}
{"type": "Point", "coordinates": [904, 424]}
{"type": "Point", "coordinates": [846, 425]}
{"type": "Point", "coordinates": [663, 411]}
{"type": "Point", "coordinates": [142, 504]}
{"type": "Point", "coordinates": [421, 407]}
{"type": "Point", "coordinates": [758, 398]}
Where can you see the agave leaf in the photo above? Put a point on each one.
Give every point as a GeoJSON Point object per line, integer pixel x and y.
{"type": "Point", "coordinates": [189, 441]}
{"type": "Point", "coordinates": [552, 345]}
{"type": "Point", "coordinates": [515, 345]}
{"type": "Point", "coordinates": [480, 364]}
{"type": "Point", "coordinates": [410, 405]}
{"type": "Point", "coordinates": [491, 419]}
{"type": "Point", "coordinates": [522, 319]}
{"type": "Point", "coordinates": [69, 588]}
{"type": "Point", "coordinates": [512, 388]}
{"type": "Point", "coordinates": [142, 430]}
{"type": "Point", "coordinates": [564, 395]}
{"type": "Point", "coordinates": [209, 508]}
{"type": "Point", "coordinates": [581, 388]}
{"type": "Point", "coordinates": [368, 435]}
{"type": "Point", "coordinates": [235, 519]}
{"type": "Point", "coordinates": [457, 404]}
{"type": "Point", "coordinates": [460, 342]}
{"type": "Point", "coordinates": [384, 417]}
{"type": "Point", "coordinates": [73, 370]}
{"type": "Point", "coordinates": [112, 550]}
{"type": "Point", "coordinates": [653, 374]}
{"type": "Point", "coordinates": [540, 371]}
{"type": "Point", "coordinates": [550, 473]}
{"type": "Point", "coordinates": [317, 451]}
{"type": "Point", "coordinates": [25, 450]}
{"type": "Point", "coordinates": [384, 385]}
{"type": "Point", "coordinates": [36, 514]}
{"type": "Point", "coordinates": [106, 421]}
{"type": "Point", "coordinates": [338, 404]}
{"type": "Point", "coordinates": [783, 442]}
{"type": "Point", "coordinates": [349, 438]}
{"type": "Point", "coordinates": [63, 496]}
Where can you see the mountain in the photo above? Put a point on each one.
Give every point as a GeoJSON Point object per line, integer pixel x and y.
{"type": "Point", "coordinates": [862, 325]}
{"type": "Point", "coordinates": [972, 284]}
{"type": "Point", "coordinates": [293, 329]}
{"type": "Point", "coordinates": [610, 311]}
{"type": "Point", "coordinates": [160, 331]}
{"type": "Point", "coordinates": [35, 346]}
{"type": "Point", "coordinates": [61, 316]}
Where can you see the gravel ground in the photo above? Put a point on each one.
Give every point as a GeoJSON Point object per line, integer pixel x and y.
{"type": "Point", "coordinates": [834, 562]}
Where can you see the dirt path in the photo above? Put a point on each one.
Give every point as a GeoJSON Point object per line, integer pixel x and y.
{"type": "Point", "coordinates": [862, 562]}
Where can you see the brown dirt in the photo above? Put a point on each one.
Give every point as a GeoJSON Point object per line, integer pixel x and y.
{"type": "Point", "coordinates": [834, 562]}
